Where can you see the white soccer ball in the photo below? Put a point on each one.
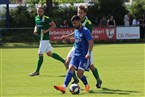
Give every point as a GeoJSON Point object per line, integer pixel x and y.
{"type": "Point", "coordinates": [74, 89]}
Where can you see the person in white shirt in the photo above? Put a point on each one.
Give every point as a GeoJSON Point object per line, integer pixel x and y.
{"type": "Point", "coordinates": [127, 19]}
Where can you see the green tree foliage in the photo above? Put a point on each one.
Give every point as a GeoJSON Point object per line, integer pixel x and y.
{"type": "Point", "coordinates": [68, 1]}
{"type": "Point", "coordinates": [32, 1]}
{"type": "Point", "coordinates": [112, 7]}
{"type": "Point", "coordinates": [21, 17]}
{"type": "Point", "coordinates": [138, 8]}
{"type": "Point", "coordinates": [63, 13]}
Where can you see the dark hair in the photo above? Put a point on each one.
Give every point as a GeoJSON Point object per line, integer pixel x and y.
{"type": "Point", "coordinates": [75, 17]}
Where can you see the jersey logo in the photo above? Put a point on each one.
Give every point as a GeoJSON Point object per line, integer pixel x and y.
{"type": "Point", "coordinates": [110, 33]}
{"type": "Point", "coordinates": [81, 34]}
{"type": "Point", "coordinates": [78, 40]}
{"type": "Point", "coordinates": [38, 25]}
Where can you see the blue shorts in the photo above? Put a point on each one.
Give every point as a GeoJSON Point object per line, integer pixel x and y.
{"type": "Point", "coordinates": [80, 62]}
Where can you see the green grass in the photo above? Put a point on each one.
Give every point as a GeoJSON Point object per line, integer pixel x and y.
{"type": "Point", "coordinates": [121, 67]}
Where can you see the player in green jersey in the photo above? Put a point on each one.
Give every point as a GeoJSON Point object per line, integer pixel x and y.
{"type": "Point", "coordinates": [82, 12]}
{"type": "Point", "coordinates": [43, 25]}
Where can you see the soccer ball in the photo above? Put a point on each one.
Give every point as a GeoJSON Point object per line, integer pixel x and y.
{"type": "Point", "coordinates": [74, 89]}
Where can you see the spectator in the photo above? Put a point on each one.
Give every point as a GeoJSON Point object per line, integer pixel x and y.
{"type": "Point", "coordinates": [142, 27]}
{"type": "Point", "coordinates": [103, 22]}
{"type": "Point", "coordinates": [111, 22]}
{"type": "Point", "coordinates": [135, 22]}
{"type": "Point", "coordinates": [64, 24]}
{"type": "Point", "coordinates": [127, 19]}
{"type": "Point", "coordinates": [96, 21]}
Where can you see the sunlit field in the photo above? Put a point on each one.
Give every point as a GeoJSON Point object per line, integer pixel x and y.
{"type": "Point", "coordinates": [121, 68]}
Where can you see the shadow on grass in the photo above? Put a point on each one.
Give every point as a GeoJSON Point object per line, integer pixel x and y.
{"type": "Point", "coordinates": [30, 45]}
{"type": "Point", "coordinates": [113, 91]}
{"type": "Point", "coordinates": [52, 75]}
{"type": "Point", "coordinates": [36, 44]}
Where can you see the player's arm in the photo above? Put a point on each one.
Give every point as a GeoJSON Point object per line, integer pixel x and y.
{"type": "Point", "coordinates": [88, 36]}
{"type": "Point", "coordinates": [91, 44]}
{"type": "Point", "coordinates": [107, 22]}
{"type": "Point", "coordinates": [114, 23]}
{"type": "Point", "coordinates": [67, 36]}
{"type": "Point", "coordinates": [35, 31]}
{"type": "Point", "coordinates": [52, 26]}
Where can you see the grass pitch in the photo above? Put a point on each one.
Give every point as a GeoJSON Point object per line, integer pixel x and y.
{"type": "Point", "coordinates": [121, 68]}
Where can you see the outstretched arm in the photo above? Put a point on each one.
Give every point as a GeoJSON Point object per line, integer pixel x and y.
{"type": "Point", "coordinates": [67, 36]}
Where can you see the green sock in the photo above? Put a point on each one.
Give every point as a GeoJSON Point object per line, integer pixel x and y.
{"type": "Point", "coordinates": [40, 61]}
{"type": "Point", "coordinates": [75, 77]}
{"type": "Point", "coordinates": [57, 57]}
{"type": "Point", "coordinates": [96, 74]}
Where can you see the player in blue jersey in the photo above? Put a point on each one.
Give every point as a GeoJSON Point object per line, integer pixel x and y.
{"type": "Point", "coordinates": [82, 12]}
{"type": "Point", "coordinates": [81, 59]}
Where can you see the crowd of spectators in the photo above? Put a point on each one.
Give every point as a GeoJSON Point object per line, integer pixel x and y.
{"type": "Point", "coordinates": [111, 22]}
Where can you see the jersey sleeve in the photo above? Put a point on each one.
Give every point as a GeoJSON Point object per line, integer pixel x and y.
{"type": "Point", "coordinates": [87, 34]}
{"type": "Point", "coordinates": [35, 20]}
{"type": "Point", "coordinates": [89, 26]}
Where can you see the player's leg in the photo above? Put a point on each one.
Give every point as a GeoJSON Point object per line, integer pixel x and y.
{"type": "Point", "coordinates": [69, 56]}
{"type": "Point", "coordinates": [74, 65]}
{"type": "Point", "coordinates": [67, 80]}
{"type": "Point", "coordinates": [82, 77]}
{"type": "Point", "coordinates": [68, 59]}
{"type": "Point", "coordinates": [53, 55]}
{"type": "Point", "coordinates": [42, 48]}
{"type": "Point", "coordinates": [96, 75]}
{"type": "Point", "coordinates": [56, 56]}
{"type": "Point", "coordinates": [83, 65]}
{"type": "Point", "coordinates": [95, 72]}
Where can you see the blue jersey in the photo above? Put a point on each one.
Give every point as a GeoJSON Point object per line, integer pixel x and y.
{"type": "Point", "coordinates": [82, 36]}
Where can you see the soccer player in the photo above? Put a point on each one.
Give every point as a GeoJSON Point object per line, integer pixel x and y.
{"type": "Point", "coordinates": [43, 25]}
{"type": "Point", "coordinates": [81, 58]}
{"type": "Point", "coordinates": [82, 12]}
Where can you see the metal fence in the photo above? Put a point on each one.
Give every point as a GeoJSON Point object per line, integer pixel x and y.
{"type": "Point", "coordinates": [17, 35]}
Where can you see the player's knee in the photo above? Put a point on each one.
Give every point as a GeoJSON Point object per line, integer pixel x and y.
{"type": "Point", "coordinates": [92, 67]}
{"type": "Point", "coordinates": [40, 54]}
{"type": "Point", "coordinates": [79, 74]}
{"type": "Point", "coordinates": [49, 54]}
{"type": "Point", "coordinates": [67, 63]}
{"type": "Point", "coordinates": [72, 68]}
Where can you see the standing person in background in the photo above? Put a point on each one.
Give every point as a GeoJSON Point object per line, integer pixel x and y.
{"type": "Point", "coordinates": [43, 25]}
{"type": "Point", "coordinates": [142, 27]}
{"type": "Point", "coordinates": [111, 22]}
{"type": "Point", "coordinates": [64, 24]}
{"type": "Point", "coordinates": [82, 12]}
{"type": "Point", "coordinates": [127, 19]}
{"type": "Point", "coordinates": [135, 21]}
{"type": "Point", "coordinates": [103, 22]}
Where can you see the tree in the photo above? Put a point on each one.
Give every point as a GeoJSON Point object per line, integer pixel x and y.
{"type": "Point", "coordinates": [113, 7]}
{"type": "Point", "coordinates": [49, 5]}
{"type": "Point", "coordinates": [138, 8]}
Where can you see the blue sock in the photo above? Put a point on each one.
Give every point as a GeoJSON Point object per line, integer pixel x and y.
{"type": "Point", "coordinates": [68, 78]}
{"type": "Point", "coordinates": [84, 80]}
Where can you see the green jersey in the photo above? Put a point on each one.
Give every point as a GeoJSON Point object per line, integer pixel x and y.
{"type": "Point", "coordinates": [42, 23]}
{"type": "Point", "coordinates": [88, 24]}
